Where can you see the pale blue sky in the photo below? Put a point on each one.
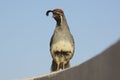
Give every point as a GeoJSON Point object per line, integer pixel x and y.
{"type": "Point", "coordinates": [25, 32]}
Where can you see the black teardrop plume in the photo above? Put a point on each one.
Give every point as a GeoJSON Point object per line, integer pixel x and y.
{"type": "Point", "coordinates": [47, 13]}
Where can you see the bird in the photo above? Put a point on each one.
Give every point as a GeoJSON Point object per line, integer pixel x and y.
{"type": "Point", "coordinates": [62, 44]}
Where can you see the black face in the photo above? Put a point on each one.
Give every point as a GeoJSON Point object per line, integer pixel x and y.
{"type": "Point", "coordinates": [57, 17]}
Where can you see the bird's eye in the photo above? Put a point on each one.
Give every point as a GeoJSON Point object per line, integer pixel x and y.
{"type": "Point", "coordinates": [56, 13]}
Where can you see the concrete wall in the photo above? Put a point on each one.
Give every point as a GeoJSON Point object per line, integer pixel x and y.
{"type": "Point", "coordinates": [105, 66]}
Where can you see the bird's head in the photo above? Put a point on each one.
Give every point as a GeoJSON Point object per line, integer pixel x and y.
{"type": "Point", "coordinates": [57, 14]}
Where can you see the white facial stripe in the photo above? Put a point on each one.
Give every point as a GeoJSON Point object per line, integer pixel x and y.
{"type": "Point", "coordinates": [61, 19]}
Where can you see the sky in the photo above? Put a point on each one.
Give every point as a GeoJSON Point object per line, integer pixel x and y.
{"type": "Point", "coordinates": [25, 33]}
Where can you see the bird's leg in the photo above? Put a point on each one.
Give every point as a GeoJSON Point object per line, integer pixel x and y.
{"type": "Point", "coordinates": [63, 66]}
{"type": "Point", "coordinates": [58, 66]}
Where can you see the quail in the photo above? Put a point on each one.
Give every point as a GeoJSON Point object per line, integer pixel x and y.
{"type": "Point", "coordinates": [62, 43]}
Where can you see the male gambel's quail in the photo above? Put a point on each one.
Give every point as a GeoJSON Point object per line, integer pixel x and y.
{"type": "Point", "coordinates": [62, 42]}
